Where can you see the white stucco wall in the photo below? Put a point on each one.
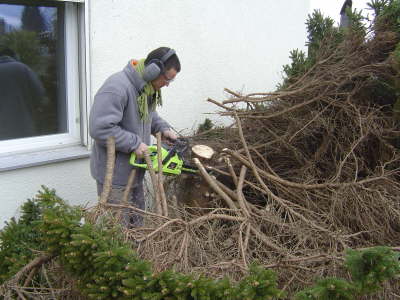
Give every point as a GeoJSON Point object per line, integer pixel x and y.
{"type": "Point", "coordinates": [240, 45]}
{"type": "Point", "coordinates": [71, 180]}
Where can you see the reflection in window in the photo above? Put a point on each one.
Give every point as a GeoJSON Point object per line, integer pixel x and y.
{"type": "Point", "coordinates": [32, 84]}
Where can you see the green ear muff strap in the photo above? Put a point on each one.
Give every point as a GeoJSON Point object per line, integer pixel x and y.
{"type": "Point", "coordinates": [148, 92]}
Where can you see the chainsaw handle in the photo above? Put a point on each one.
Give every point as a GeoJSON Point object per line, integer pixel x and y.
{"type": "Point", "coordinates": [139, 163]}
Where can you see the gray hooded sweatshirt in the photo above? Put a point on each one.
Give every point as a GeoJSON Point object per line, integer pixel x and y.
{"type": "Point", "coordinates": [115, 113]}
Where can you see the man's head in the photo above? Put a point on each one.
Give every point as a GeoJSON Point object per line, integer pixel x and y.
{"type": "Point", "coordinates": [169, 67]}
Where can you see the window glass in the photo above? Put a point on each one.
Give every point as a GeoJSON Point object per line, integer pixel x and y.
{"type": "Point", "coordinates": [32, 71]}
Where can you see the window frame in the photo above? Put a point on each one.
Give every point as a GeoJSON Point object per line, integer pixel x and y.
{"type": "Point", "coordinates": [76, 88]}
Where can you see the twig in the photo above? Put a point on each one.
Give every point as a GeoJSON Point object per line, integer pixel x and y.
{"type": "Point", "coordinates": [232, 92]}
{"type": "Point", "coordinates": [216, 216]}
{"type": "Point", "coordinates": [309, 122]}
{"type": "Point", "coordinates": [240, 192]}
{"type": "Point", "coordinates": [161, 228]}
{"type": "Point", "coordinates": [264, 161]}
{"type": "Point", "coordinates": [213, 184]}
{"type": "Point", "coordinates": [109, 169]}
{"type": "Point", "coordinates": [205, 132]}
{"type": "Point", "coordinates": [241, 245]}
{"type": "Point", "coordinates": [227, 190]}
{"type": "Point", "coordinates": [276, 198]}
{"type": "Point", "coordinates": [154, 182]}
{"type": "Point", "coordinates": [247, 237]}
{"type": "Point", "coordinates": [220, 105]}
{"type": "Point", "coordinates": [48, 282]}
{"type": "Point", "coordinates": [128, 187]}
{"type": "Point", "coordinates": [268, 242]}
{"type": "Point", "coordinates": [121, 206]}
{"type": "Point", "coordinates": [30, 276]}
{"type": "Point", "coordinates": [353, 146]}
{"type": "Point", "coordinates": [269, 98]}
{"type": "Point", "coordinates": [131, 180]}
{"type": "Point", "coordinates": [301, 185]}
{"type": "Point", "coordinates": [164, 205]}
{"type": "Point", "coordinates": [20, 294]}
{"type": "Point", "coordinates": [183, 245]}
{"type": "Point", "coordinates": [301, 259]}
{"type": "Point", "coordinates": [35, 263]}
{"type": "Point", "coordinates": [231, 170]}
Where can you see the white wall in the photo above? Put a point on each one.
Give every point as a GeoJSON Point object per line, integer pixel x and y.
{"type": "Point", "coordinates": [239, 44]}
{"type": "Point", "coordinates": [71, 180]}
{"type": "Point", "coordinates": [332, 8]}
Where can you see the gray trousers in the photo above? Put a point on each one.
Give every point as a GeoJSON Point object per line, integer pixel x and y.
{"type": "Point", "coordinates": [129, 217]}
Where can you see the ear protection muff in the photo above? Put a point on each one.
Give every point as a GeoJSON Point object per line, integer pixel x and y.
{"type": "Point", "coordinates": [156, 67]}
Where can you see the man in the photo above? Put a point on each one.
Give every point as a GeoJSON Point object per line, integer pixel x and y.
{"type": "Point", "coordinates": [344, 18]}
{"type": "Point", "coordinates": [125, 108]}
{"type": "Point", "coordinates": [21, 95]}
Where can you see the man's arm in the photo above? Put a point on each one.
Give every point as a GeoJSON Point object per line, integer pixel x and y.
{"type": "Point", "coordinates": [105, 117]}
{"type": "Point", "coordinates": [159, 125]}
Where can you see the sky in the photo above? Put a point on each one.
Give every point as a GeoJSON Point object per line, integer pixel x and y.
{"type": "Point", "coordinates": [332, 8]}
{"type": "Point", "coordinates": [12, 14]}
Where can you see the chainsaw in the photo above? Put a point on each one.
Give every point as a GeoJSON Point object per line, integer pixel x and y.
{"type": "Point", "coordinates": [172, 158]}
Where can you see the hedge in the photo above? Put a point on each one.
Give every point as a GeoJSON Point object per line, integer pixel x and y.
{"type": "Point", "coordinates": [106, 267]}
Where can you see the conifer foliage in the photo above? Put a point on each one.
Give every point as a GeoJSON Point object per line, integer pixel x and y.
{"type": "Point", "coordinates": [106, 267]}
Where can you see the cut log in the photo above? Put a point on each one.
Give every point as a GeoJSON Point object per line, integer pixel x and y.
{"type": "Point", "coordinates": [203, 151]}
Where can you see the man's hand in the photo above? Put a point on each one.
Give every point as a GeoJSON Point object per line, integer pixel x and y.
{"type": "Point", "coordinates": [141, 150]}
{"type": "Point", "coordinates": [169, 136]}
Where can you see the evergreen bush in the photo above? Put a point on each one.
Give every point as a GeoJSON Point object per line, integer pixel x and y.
{"type": "Point", "coordinates": [106, 267]}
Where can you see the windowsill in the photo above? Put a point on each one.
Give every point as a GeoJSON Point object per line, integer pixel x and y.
{"type": "Point", "coordinates": [44, 157]}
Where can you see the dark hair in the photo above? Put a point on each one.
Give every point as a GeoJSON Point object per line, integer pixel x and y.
{"type": "Point", "coordinates": [172, 62]}
{"type": "Point", "coordinates": [347, 3]}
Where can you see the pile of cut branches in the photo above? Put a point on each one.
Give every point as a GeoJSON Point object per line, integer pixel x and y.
{"type": "Point", "coordinates": [313, 167]}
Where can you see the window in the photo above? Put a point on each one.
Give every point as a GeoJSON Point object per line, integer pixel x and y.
{"type": "Point", "coordinates": [42, 66]}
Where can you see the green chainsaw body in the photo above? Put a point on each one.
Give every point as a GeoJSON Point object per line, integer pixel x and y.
{"type": "Point", "coordinates": [172, 161]}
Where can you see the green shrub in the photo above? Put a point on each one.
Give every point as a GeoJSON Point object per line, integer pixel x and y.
{"type": "Point", "coordinates": [329, 289]}
{"type": "Point", "coordinates": [21, 239]}
{"type": "Point", "coordinates": [106, 267]}
{"type": "Point", "coordinates": [371, 267]}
